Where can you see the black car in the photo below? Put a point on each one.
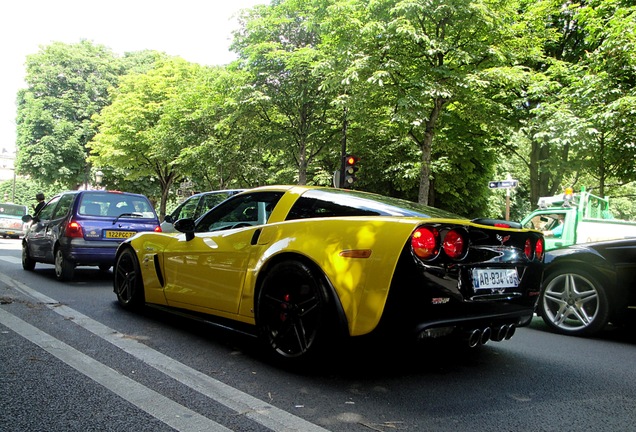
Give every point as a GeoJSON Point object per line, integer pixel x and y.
{"type": "Point", "coordinates": [586, 286]}
{"type": "Point", "coordinates": [84, 228]}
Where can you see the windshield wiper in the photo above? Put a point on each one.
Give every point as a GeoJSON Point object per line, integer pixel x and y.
{"type": "Point", "coordinates": [136, 214]}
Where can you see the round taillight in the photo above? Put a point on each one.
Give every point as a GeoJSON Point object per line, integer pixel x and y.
{"type": "Point", "coordinates": [454, 244]}
{"type": "Point", "coordinates": [539, 249]}
{"type": "Point", "coordinates": [425, 242]}
{"type": "Point", "coordinates": [527, 249]}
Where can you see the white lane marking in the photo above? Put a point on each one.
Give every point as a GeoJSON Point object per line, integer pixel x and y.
{"type": "Point", "coordinates": [253, 408]}
{"type": "Point", "coordinates": [10, 259]}
{"type": "Point", "coordinates": [171, 413]}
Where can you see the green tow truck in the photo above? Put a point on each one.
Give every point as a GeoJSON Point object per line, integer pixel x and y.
{"type": "Point", "coordinates": [577, 218]}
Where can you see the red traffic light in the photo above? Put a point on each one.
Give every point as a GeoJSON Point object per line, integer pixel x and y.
{"type": "Point", "coordinates": [350, 170]}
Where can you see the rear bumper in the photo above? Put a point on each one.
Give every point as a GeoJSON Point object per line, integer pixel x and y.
{"type": "Point", "coordinates": [82, 252]}
{"type": "Point", "coordinates": [11, 232]}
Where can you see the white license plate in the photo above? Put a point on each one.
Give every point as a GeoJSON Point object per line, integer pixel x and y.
{"type": "Point", "coordinates": [495, 278]}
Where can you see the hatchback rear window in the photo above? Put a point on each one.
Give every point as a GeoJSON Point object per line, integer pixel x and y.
{"type": "Point", "coordinates": [114, 205]}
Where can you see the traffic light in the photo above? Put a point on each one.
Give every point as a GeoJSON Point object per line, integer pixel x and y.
{"type": "Point", "coordinates": [350, 170]}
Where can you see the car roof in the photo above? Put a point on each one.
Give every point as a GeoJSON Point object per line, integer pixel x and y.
{"type": "Point", "coordinates": [410, 208]}
{"type": "Point", "coordinates": [103, 192]}
{"type": "Point", "coordinates": [216, 191]}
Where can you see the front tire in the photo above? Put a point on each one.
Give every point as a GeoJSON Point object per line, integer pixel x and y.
{"type": "Point", "coordinates": [574, 302]}
{"type": "Point", "coordinates": [127, 281]}
{"type": "Point", "coordinates": [64, 269]}
{"type": "Point", "coordinates": [291, 311]}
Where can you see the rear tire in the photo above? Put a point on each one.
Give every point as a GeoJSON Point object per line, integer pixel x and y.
{"type": "Point", "coordinates": [64, 269]}
{"type": "Point", "coordinates": [127, 280]}
{"type": "Point", "coordinates": [291, 312]}
{"type": "Point", "coordinates": [28, 263]}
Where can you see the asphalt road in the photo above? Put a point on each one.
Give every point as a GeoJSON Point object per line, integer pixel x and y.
{"type": "Point", "coordinates": [72, 360]}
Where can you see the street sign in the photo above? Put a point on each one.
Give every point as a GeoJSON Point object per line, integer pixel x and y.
{"type": "Point", "coordinates": [336, 179]}
{"type": "Point", "coordinates": [503, 184]}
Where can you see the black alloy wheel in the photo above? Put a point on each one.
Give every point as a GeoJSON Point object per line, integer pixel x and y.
{"type": "Point", "coordinates": [127, 280]}
{"type": "Point", "coordinates": [573, 302]}
{"type": "Point", "coordinates": [290, 311]}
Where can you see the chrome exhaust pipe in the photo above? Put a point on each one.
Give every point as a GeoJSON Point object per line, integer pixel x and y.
{"type": "Point", "coordinates": [511, 331]}
{"type": "Point", "coordinates": [474, 337]}
{"type": "Point", "coordinates": [485, 336]}
{"type": "Point", "coordinates": [499, 333]}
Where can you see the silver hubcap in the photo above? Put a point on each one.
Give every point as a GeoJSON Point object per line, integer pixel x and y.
{"type": "Point", "coordinates": [571, 302]}
{"type": "Point", "coordinates": [58, 262]}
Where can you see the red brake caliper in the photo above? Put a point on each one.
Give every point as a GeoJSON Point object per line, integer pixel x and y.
{"type": "Point", "coordinates": [284, 306]}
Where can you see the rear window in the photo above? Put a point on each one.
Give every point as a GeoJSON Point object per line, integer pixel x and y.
{"type": "Point", "coordinates": [336, 203]}
{"type": "Point", "coordinates": [114, 205]}
{"type": "Point", "coordinates": [12, 210]}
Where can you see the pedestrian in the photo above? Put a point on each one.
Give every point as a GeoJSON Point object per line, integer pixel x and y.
{"type": "Point", "coordinates": [36, 208]}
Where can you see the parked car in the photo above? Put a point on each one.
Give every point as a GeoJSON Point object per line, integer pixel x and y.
{"type": "Point", "coordinates": [589, 285]}
{"type": "Point", "coordinates": [195, 205]}
{"type": "Point", "coordinates": [11, 224]}
{"type": "Point", "coordinates": [302, 265]}
{"type": "Point", "coordinates": [84, 228]}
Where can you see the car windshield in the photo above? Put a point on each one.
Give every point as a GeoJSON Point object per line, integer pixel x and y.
{"type": "Point", "coordinates": [12, 210]}
{"type": "Point", "coordinates": [115, 205]}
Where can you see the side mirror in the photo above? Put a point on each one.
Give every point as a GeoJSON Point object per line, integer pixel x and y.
{"type": "Point", "coordinates": [168, 219]}
{"type": "Point", "coordinates": [27, 218]}
{"type": "Point", "coordinates": [185, 226]}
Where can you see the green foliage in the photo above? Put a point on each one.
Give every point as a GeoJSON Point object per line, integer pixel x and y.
{"type": "Point", "coordinates": [436, 97]}
{"type": "Point", "coordinates": [23, 190]}
{"type": "Point", "coordinates": [136, 131]}
{"type": "Point", "coordinates": [67, 84]}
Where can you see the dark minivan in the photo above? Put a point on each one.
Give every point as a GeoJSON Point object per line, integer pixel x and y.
{"type": "Point", "coordinates": [84, 228]}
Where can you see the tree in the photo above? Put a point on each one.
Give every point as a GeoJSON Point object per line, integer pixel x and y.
{"type": "Point", "coordinates": [278, 48]}
{"type": "Point", "coordinates": [136, 132]}
{"type": "Point", "coordinates": [579, 101]}
{"type": "Point", "coordinates": [604, 92]}
{"type": "Point", "coordinates": [66, 86]}
{"type": "Point", "coordinates": [430, 58]}
{"type": "Point", "coordinates": [224, 152]}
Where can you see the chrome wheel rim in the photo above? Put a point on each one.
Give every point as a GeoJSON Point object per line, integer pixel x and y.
{"type": "Point", "coordinates": [571, 302]}
{"type": "Point", "coordinates": [59, 260]}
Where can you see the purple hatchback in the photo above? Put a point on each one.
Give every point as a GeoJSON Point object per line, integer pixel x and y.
{"type": "Point", "coordinates": [84, 228]}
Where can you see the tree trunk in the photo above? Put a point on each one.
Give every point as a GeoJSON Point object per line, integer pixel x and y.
{"type": "Point", "coordinates": [426, 146]}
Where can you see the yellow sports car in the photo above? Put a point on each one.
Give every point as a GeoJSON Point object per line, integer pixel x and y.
{"type": "Point", "coordinates": [301, 265]}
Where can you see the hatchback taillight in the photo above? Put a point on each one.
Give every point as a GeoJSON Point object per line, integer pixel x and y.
{"type": "Point", "coordinates": [73, 229]}
{"type": "Point", "coordinates": [158, 228]}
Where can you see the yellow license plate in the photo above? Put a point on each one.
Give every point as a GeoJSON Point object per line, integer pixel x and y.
{"type": "Point", "coordinates": [119, 234]}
